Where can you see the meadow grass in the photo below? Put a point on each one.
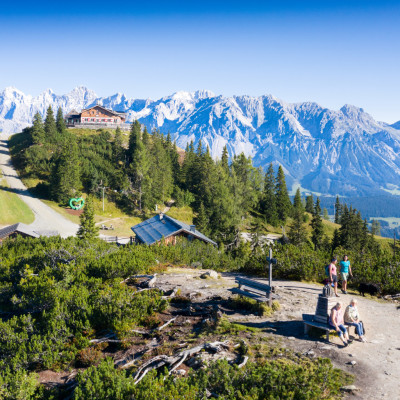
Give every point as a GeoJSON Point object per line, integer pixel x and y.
{"type": "Point", "coordinates": [12, 208]}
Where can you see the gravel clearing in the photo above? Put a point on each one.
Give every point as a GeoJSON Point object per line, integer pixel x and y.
{"type": "Point", "coordinates": [375, 364]}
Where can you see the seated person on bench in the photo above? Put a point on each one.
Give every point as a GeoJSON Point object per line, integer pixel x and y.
{"type": "Point", "coordinates": [337, 323]}
{"type": "Point", "coordinates": [352, 318]}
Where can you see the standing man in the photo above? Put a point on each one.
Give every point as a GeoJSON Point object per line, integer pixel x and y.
{"type": "Point", "coordinates": [333, 274]}
{"type": "Point", "coordinates": [345, 270]}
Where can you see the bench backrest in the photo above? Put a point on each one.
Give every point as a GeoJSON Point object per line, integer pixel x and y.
{"type": "Point", "coordinates": [253, 284]}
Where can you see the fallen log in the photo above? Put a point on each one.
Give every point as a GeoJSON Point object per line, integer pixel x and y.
{"type": "Point", "coordinates": [173, 362]}
{"type": "Point", "coordinates": [137, 277]}
{"type": "Point", "coordinates": [166, 324]}
{"type": "Point", "coordinates": [244, 362]}
{"type": "Point", "coordinates": [151, 282]}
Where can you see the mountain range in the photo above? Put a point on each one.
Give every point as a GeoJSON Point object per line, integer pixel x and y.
{"type": "Point", "coordinates": [323, 151]}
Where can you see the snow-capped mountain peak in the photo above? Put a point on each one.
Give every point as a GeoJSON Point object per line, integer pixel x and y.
{"type": "Point", "coordinates": [327, 151]}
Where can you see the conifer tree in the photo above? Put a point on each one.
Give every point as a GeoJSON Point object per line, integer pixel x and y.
{"type": "Point", "coordinates": [66, 176]}
{"type": "Point", "coordinates": [335, 240]}
{"type": "Point", "coordinates": [283, 203]}
{"type": "Point", "coordinates": [325, 214]}
{"type": "Point", "coordinates": [317, 236]}
{"type": "Point", "coordinates": [375, 227]}
{"type": "Point", "coordinates": [118, 150]}
{"type": "Point", "coordinates": [60, 123]}
{"type": "Point", "coordinates": [87, 228]}
{"type": "Point", "coordinates": [187, 167]}
{"type": "Point", "coordinates": [176, 166]}
{"type": "Point", "coordinates": [338, 210]}
{"type": "Point", "coordinates": [222, 208]}
{"type": "Point", "coordinates": [146, 138]}
{"type": "Point", "coordinates": [224, 159]}
{"type": "Point", "coordinates": [298, 233]}
{"type": "Point", "coordinates": [310, 204]}
{"type": "Point", "coordinates": [134, 137]}
{"type": "Point", "coordinates": [297, 202]}
{"type": "Point", "coordinates": [201, 220]}
{"type": "Point", "coordinates": [160, 172]}
{"type": "Point", "coordinates": [37, 132]}
{"type": "Point", "coordinates": [246, 183]}
{"type": "Point", "coordinates": [268, 202]}
{"type": "Point", "coordinates": [50, 127]}
{"type": "Point", "coordinates": [139, 169]}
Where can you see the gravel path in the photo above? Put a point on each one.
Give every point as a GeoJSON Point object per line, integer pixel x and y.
{"type": "Point", "coordinates": [45, 217]}
{"type": "Point", "coordinates": [377, 365]}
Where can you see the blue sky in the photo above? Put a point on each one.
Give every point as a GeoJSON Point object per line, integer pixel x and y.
{"type": "Point", "coordinates": [330, 52]}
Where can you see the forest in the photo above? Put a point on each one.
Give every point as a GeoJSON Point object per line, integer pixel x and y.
{"type": "Point", "coordinates": [59, 295]}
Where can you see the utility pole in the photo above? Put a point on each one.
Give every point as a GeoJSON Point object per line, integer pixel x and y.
{"type": "Point", "coordinates": [102, 188]}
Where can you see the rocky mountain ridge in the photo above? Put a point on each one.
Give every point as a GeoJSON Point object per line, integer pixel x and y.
{"type": "Point", "coordinates": [331, 152]}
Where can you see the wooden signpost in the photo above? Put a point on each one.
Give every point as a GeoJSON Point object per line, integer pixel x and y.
{"type": "Point", "coordinates": [270, 261]}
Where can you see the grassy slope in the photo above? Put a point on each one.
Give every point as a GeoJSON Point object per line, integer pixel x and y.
{"type": "Point", "coordinates": [123, 222]}
{"type": "Point", "coordinates": [12, 208]}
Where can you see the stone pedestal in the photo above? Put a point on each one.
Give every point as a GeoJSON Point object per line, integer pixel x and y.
{"type": "Point", "coordinates": [324, 307]}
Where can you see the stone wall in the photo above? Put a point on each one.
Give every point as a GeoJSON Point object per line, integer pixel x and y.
{"type": "Point", "coordinates": [123, 127]}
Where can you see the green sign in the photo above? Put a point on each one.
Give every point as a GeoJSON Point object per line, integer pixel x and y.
{"type": "Point", "coordinates": [77, 204]}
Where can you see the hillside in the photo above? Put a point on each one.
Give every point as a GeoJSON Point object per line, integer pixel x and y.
{"type": "Point", "coordinates": [321, 150]}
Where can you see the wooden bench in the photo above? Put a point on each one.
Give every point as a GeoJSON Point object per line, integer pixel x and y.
{"type": "Point", "coordinates": [309, 321]}
{"type": "Point", "coordinates": [253, 289]}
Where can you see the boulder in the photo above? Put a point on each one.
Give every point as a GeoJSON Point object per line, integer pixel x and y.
{"type": "Point", "coordinates": [209, 275]}
{"type": "Point", "coordinates": [349, 389]}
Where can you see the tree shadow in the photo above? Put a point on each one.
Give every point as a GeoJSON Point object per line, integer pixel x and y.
{"type": "Point", "coordinates": [25, 192]}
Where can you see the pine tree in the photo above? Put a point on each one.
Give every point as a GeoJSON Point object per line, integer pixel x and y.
{"type": "Point", "coordinates": [375, 227]}
{"type": "Point", "coordinates": [298, 233]}
{"type": "Point", "coordinates": [87, 228]}
{"type": "Point", "coordinates": [283, 203]}
{"type": "Point", "coordinates": [118, 150]}
{"type": "Point", "coordinates": [335, 240]}
{"type": "Point", "coordinates": [50, 127]}
{"type": "Point", "coordinates": [160, 173]}
{"type": "Point", "coordinates": [60, 123]}
{"type": "Point", "coordinates": [201, 220]}
{"type": "Point", "coordinates": [222, 209]}
{"type": "Point", "coordinates": [317, 236]}
{"type": "Point", "coordinates": [268, 201]}
{"type": "Point", "coordinates": [176, 166]}
{"type": "Point", "coordinates": [66, 176]}
{"type": "Point", "coordinates": [246, 183]}
{"type": "Point", "coordinates": [325, 214]}
{"type": "Point", "coordinates": [38, 132]}
{"type": "Point", "coordinates": [310, 204]}
{"type": "Point", "coordinates": [146, 138]}
{"type": "Point", "coordinates": [338, 210]}
{"type": "Point", "coordinates": [134, 137]}
{"type": "Point", "coordinates": [199, 150]}
{"type": "Point", "coordinates": [297, 202]}
{"type": "Point", "coordinates": [139, 169]}
{"type": "Point", "coordinates": [224, 159]}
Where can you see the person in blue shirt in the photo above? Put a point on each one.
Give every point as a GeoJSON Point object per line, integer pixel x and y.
{"type": "Point", "coordinates": [345, 271]}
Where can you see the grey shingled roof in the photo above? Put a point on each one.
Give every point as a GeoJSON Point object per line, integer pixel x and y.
{"type": "Point", "coordinates": [154, 229]}
{"type": "Point", "coordinates": [26, 230]}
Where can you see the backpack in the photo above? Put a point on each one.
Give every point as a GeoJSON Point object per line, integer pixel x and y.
{"type": "Point", "coordinates": [327, 270]}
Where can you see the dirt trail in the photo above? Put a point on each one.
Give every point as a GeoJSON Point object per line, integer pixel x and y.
{"type": "Point", "coordinates": [377, 368]}
{"type": "Point", "coordinates": [45, 217]}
